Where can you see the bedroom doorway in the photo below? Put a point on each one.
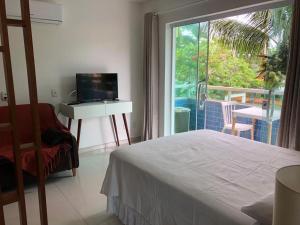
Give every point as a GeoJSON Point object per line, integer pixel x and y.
{"type": "Point", "coordinates": [229, 74]}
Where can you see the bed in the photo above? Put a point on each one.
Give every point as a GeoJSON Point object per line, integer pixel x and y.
{"type": "Point", "coordinates": [196, 178]}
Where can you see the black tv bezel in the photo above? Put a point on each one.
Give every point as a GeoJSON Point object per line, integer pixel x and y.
{"type": "Point", "coordinates": [91, 75]}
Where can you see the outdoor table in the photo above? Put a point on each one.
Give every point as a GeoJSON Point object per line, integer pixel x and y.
{"type": "Point", "coordinates": [256, 113]}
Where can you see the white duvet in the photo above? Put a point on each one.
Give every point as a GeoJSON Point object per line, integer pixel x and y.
{"type": "Point", "coordinates": [197, 178]}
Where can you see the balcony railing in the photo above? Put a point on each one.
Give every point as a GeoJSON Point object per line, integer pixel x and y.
{"type": "Point", "coordinates": [213, 117]}
{"type": "Point", "coordinates": [253, 96]}
{"type": "Point", "coordinates": [228, 92]}
{"type": "Point", "coordinates": [244, 90]}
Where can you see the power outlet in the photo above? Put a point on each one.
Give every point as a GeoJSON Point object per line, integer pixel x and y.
{"type": "Point", "coordinates": [3, 96]}
{"type": "Point", "coordinates": [54, 93]}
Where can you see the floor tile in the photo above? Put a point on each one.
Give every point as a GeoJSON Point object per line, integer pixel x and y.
{"type": "Point", "coordinates": [71, 200]}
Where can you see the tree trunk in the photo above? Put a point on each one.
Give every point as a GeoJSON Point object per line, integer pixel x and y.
{"type": "Point", "coordinates": [270, 109]}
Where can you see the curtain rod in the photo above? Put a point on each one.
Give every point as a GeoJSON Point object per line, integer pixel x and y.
{"type": "Point", "coordinates": [180, 7]}
{"type": "Point", "coordinates": [201, 2]}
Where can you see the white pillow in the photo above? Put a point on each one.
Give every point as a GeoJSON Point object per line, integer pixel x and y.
{"type": "Point", "coordinates": [262, 210]}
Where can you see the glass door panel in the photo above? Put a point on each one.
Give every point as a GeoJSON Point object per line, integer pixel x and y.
{"type": "Point", "coordinates": [251, 82]}
{"type": "Point", "coordinates": [190, 66]}
{"type": "Point", "coordinates": [222, 84]}
{"type": "Point", "coordinates": [202, 74]}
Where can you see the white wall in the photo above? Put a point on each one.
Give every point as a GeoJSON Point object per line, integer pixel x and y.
{"type": "Point", "coordinates": [96, 36]}
{"type": "Point", "coordinates": [171, 11]}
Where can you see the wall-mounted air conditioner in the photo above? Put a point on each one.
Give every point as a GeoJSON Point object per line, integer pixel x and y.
{"type": "Point", "coordinates": [40, 12]}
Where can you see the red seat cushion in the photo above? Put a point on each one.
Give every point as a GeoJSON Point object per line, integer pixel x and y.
{"type": "Point", "coordinates": [48, 119]}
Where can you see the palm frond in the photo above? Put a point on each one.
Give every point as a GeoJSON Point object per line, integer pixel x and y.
{"type": "Point", "coordinates": [281, 24]}
{"type": "Point", "coordinates": [241, 37]}
{"type": "Point", "coordinates": [260, 20]}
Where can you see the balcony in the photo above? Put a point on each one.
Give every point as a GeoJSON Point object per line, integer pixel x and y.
{"type": "Point", "coordinates": [211, 117]}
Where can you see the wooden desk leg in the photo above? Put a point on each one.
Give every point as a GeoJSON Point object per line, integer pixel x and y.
{"type": "Point", "coordinates": [233, 131]}
{"type": "Point", "coordinates": [2, 221]}
{"type": "Point", "coordinates": [69, 124]}
{"type": "Point", "coordinates": [116, 129]}
{"type": "Point", "coordinates": [270, 127]}
{"type": "Point", "coordinates": [78, 138]}
{"type": "Point", "coordinates": [74, 172]}
{"type": "Point", "coordinates": [126, 128]}
{"type": "Point", "coordinates": [79, 132]}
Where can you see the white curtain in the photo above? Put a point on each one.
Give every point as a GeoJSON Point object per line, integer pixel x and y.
{"type": "Point", "coordinates": [150, 72]}
{"type": "Point", "coordinates": [289, 133]}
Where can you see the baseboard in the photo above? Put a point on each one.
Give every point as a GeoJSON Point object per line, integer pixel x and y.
{"type": "Point", "coordinates": [108, 146]}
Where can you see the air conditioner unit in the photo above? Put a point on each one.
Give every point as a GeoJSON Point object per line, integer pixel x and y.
{"type": "Point", "coordinates": [40, 12]}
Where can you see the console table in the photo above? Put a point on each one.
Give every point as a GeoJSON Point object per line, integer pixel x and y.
{"type": "Point", "coordinates": [97, 109]}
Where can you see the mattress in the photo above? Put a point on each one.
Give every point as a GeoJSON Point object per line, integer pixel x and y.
{"type": "Point", "coordinates": [196, 178]}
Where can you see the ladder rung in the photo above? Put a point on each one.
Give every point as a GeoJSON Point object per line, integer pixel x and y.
{"type": "Point", "coordinates": [9, 197]}
{"type": "Point", "coordinates": [1, 49]}
{"type": "Point", "coordinates": [27, 147]}
{"type": "Point", "coordinates": [15, 23]}
{"type": "Point", "coordinates": [5, 127]}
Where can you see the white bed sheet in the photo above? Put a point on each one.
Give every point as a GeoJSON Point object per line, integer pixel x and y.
{"type": "Point", "coordinates": [196, 178]}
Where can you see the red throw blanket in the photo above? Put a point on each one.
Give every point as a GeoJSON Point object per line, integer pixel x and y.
{"type": "Point", "coordinates": [48, 119]}
{"type": "Point", "coordinates": [51, 158]}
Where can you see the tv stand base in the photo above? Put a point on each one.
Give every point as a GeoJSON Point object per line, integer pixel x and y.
{"type": "Point", "coordinates": [98, 109]}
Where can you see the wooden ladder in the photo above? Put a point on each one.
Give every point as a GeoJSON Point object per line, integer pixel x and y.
{"type": "Point", "coordinates": [18, 149]}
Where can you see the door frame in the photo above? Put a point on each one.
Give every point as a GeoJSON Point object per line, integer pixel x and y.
{"type": "Point", "coordinates": [166, 53]}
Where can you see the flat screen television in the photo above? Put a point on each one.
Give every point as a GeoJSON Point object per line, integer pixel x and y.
{"type": "Point", "coordinates": [96, 87]}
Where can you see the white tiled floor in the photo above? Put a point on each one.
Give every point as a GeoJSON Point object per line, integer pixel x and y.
{"type": "Point", "coordinates": [71, 200]}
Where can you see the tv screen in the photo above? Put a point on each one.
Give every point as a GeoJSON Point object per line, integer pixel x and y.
{"type": "Point", "coordinates": [97, 87]}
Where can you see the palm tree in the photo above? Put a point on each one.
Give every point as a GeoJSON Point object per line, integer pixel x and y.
{"type": "Point", "coordinates": [254, 36]}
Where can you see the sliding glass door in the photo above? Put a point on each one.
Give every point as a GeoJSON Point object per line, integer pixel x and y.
{"type": "Point", "coordinates": [190, 58]}
{"type": "Point", "coordinates": [228, 77]}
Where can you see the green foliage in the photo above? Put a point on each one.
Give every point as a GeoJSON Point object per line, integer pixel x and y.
{"type": "Point", "coordinates": [186, 54]}
{"type": "Point", "coordinates": [227, 69]}
{"type": "Point", "coordinates": [273, 68]}
{"type": "Point", "coordinates": [255, 34]}
{"type": "Point", "coordinates": [242, 38]}
{"type": "Point", "coordinates": [263, 29]}
{"type": "Point", "coordinates": [281, 19]}
{"type": "Point", "coordinates": [187, 65]}
{"type": "Point", "coordinates": [233, 52]}
{"type": "Point", "coordinates": [224, 68]}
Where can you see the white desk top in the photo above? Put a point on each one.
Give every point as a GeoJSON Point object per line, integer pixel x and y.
{"type": "Point", "coordinates": [95, 103]}
{"type": "Point", "coordinates": [95, 109]}
{"type": "Point", "coordinates": [255, 113]}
